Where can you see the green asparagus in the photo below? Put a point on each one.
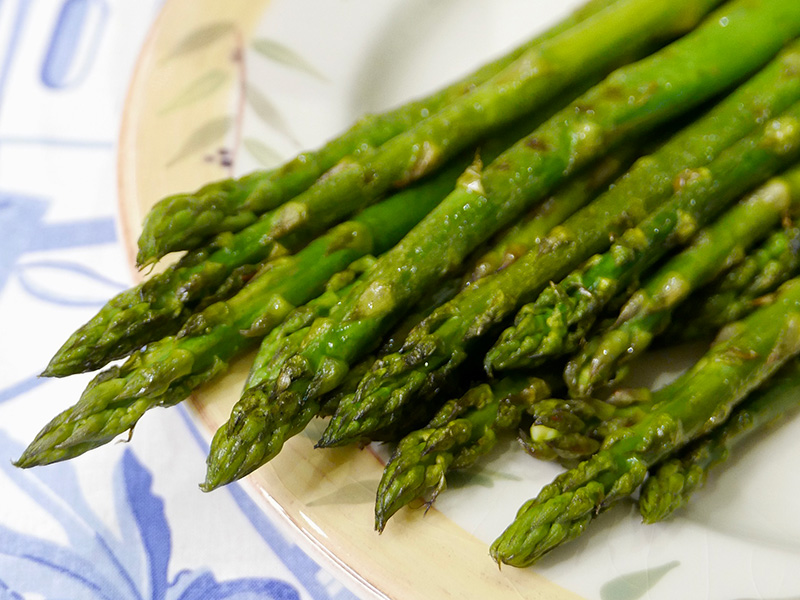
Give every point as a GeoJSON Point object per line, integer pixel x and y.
{"type": "Point", "coordinates": [672, 484]}
{"type": "Point", "coordinates": [362, 269]}
{"type": "Point", "coordinates": [442, 340]}
{"type": "Point", "coordinates": [159, 306]}
{"type": "Point", "coordinates": [462, 431]}
{"type": "Point", "coordinates": [686, 409]}
{"type": "Point", "coordinates": [166, 370]}
{"type": "Point", "coordinates": [280, 340]}
{"type": "Point", "coordinates": [530, 83]}
{"type": "Point", "coordinates": [162, 304]}
{"type": "Point", "coordinates": [187, 221]}
{"type": "Point", "coordinates": [242, 444]}
{"type": "Point", "coordinates": [529, 233]}
{"type": "Point", "coordinates": [237, 437]}
{"type": "Point", "coordinates": [571, 430]}
{"type": "Point", "coordinates": [557, 322]}
{"type": "Point", "coordinates": [740, 291]}
{"type": "Point", "coordinates": [647, 313]}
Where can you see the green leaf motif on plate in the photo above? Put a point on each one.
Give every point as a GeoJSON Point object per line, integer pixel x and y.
{"type": "Point", "coordinates": [279, 53]}
{"type": "Point", "coordinates": [635, 585]}
{"type": "Point", "coordinates": [200, 88]}
{"type": "Point", "coordinates": [200, 38]}
{"type": "Point", "coordinates": [266, 156]}
{"type": "Point", "coordinates": [477, 476]}
{"type": "Point", "coordinates": [268, 113]}
{"type": "Point", "coordinates": [201, 138]}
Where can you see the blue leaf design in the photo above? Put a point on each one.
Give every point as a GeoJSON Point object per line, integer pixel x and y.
{"type": "Point", "coordinates": [95, 565]}
{"type": "Point", "coordinates": [55, 489]}
{"type": "Point", "coordinates": [7, 594]}
{"type": "Point", "coordinates": [301, 565]}
{"type": "Point", "coordinates": [19, 388]}
{"type": "Point", "coordinates": [36, 279]}
{"type": "Point", "coordinates": [21, 217]}
{"type": "Point", "coordinates": [67, 506]}
{"type": "Point", "coordinates": [36, 566]}
{"type": "Point", "coordinates": [148, 513]}
{"type": "Point", "coordinates": [206, 587]}
{"type": "Point", "coordinates": [266, 589]}
{"type": "Point", "coordinates": [73, 45]}
{"type": "Point", "coordinates": [197, 587]}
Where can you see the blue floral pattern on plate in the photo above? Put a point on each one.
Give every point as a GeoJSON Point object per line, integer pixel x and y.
{"type": "Point", "coordinates": [57, 538]}
{"type": "Point", "coordinates": [96, 563]}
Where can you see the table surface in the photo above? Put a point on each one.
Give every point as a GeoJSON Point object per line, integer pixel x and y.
{"type": "Point", "coordinates": [123, 522]}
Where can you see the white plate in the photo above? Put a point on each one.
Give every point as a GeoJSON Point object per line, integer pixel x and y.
{"type": "Point", "coordinates": [253, 82]}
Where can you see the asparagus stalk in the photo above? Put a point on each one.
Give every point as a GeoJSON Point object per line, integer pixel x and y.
{"type": "Point", "coordinates": [242, 434]}
{"type": "Point", "coordinates": [187, 221]}
{"type": "Point", "coordinates": [279, 344]}
{"type": "Point", "coordinates": [672, 484]}
{"type": "Point", "coordinates": [647, 313]}
{"type": "Point", "coordinates": [559, 319]}
{"type": "Point", "coordinates": [280, 340]}
{"type": "Point", "coordinates": [686, 409]}
{"type": "Point", "coordinates": [442, 340]}
{"type": "Point", "coordinates": [162, 304]}
{"type": "Point", "coordinates": [466, 429]}
{"type": "Point", "coordinates": [530, 83]}
{"type": "Point", "coordinates": [164, 372]}
{"type": "Point", "coordinates": [242, 444]}
{"type": "Point", "coordinates": [462, 431]}
{"type": "Point", "coordinates": [739, 291]}
{"type": "Point", "coordinates": [159, 306]}
{"type": "Point", "coordinates": [572, 430]}
{"type": "Point", "coordinates": [529, 233]}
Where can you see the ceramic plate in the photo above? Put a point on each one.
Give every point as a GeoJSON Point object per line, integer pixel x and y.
{"type": "Point", "coordinates": [224, 88]}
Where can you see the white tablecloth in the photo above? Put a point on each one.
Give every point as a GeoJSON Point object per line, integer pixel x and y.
{"type": "Point", "coordinates": [128, 520]}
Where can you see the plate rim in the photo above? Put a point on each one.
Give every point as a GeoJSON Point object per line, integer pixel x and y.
{"type": "Point", "coordinates": [476, 569]}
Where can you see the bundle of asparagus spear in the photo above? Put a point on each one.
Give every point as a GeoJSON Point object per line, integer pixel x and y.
{"type": "Point", "coordinates": [490, 259]}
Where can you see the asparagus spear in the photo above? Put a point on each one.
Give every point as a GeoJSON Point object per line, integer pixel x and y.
{"type": "Point", "coordinates": [187, 221]}
{"type": "Point", "coordinates": [648, 311]}
{"type": "Point", "coordinates": [672, 484]}
{"type": "Point", "coordinates": [571, 430]}
{"type": "Point", "coordinates": [529, 233]}
{"type": "Point", "coordinates": [282, 339]}
{"type": "Point", "coordinates": [240, 445]}
{"type": "Point", "coordinates": [686, 409]}
{"type": "Point", "coordinates": [739, 291]}
{"type": "Point", "coordinates": [159, 306]}
{"type": "Point", "coordinates": [626, 28]}
{"type": "Point", "coordinates": [239, 436]}
{"type": "Point", "coordinates": [462, 431]}
{"type": "Point", "coordinates": [443, 339]}
{"type": "Point", "coordinates": [466, 429]}
{"type": "Point", "coordinates": [558, 320]}
{"type": "Point", "coordinates": [165, 371]}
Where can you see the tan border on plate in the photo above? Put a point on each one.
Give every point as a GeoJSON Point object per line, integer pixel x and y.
{"type": "Point", "coordinates": [327, 495]}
